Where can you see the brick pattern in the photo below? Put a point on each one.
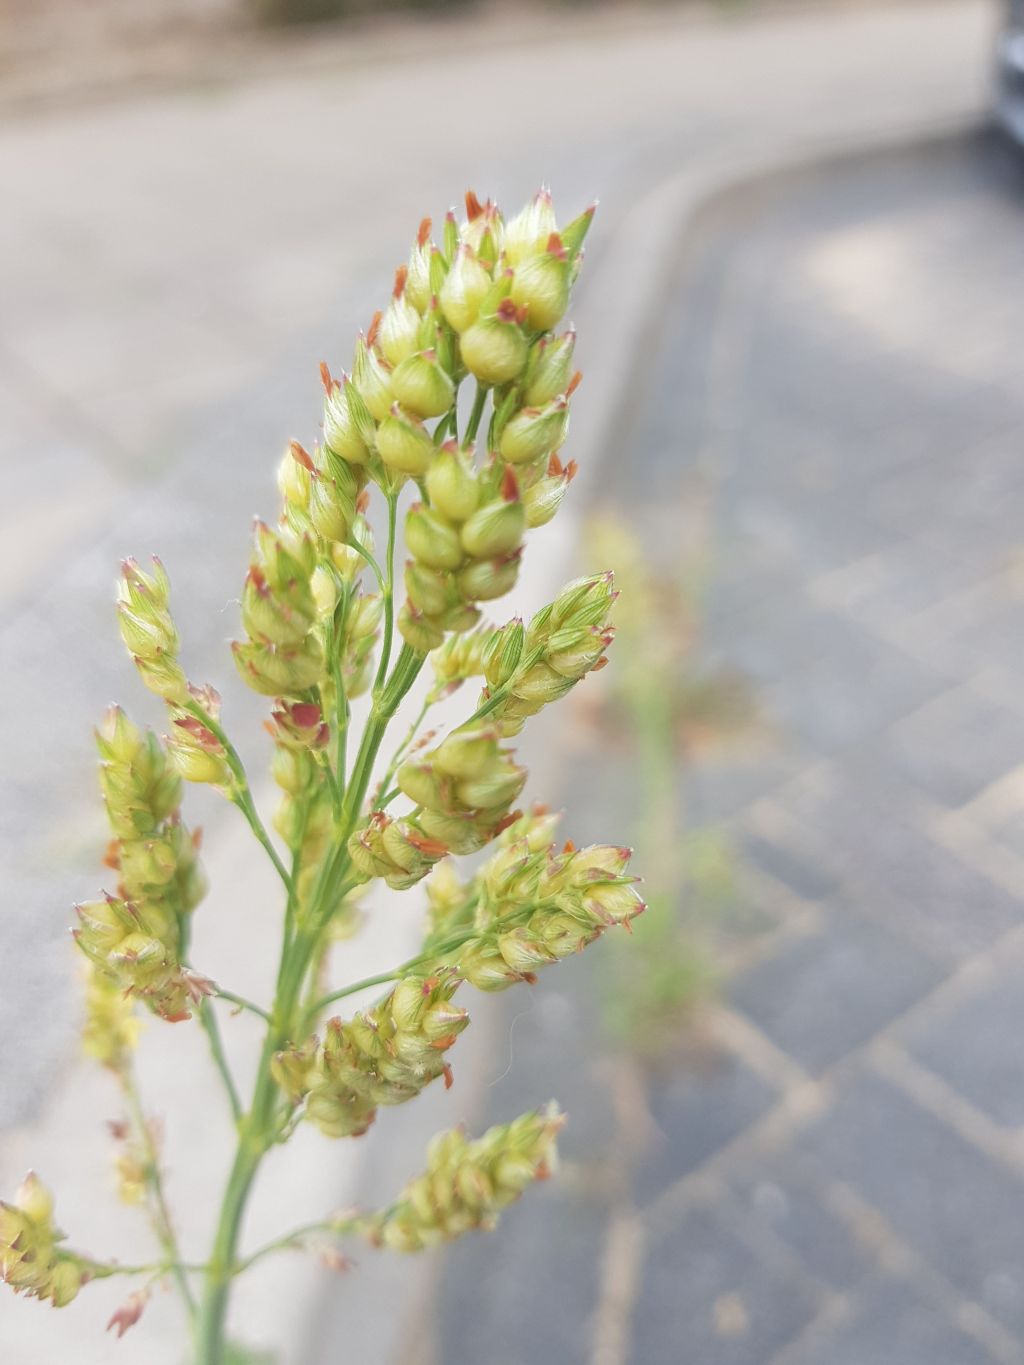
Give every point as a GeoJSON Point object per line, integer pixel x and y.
{"type": "Point", "coordinates": [832, 1167]}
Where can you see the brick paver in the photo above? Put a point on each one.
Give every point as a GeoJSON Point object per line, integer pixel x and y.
{"type": "Point", "coordinates": [837, 1171]}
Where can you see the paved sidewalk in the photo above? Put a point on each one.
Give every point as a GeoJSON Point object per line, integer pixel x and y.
{"type": "Point", "coordinates": [175, 268]}
{"type": "Point", "coordinates": [832, 1168]}
{"type": "Point", "coordinates": [177, 265]}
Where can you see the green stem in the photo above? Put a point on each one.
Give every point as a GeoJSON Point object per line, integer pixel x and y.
{"type": "Point", "coordinates": [479, 402]}
{"type": "Point", "coordinates": [364, 552]}
{"type": "Point", "coordinates": [434, 950]}
{"type": "Point", "coordinates": [318, 1006]}
{"type": "Point", "coordinates": [243, 800]}
{"type": "Point", "coordinates": [159, 1212]}
{"type": "Point", "coordinates": [254, 1140]}
{"type": "Point", "coordinates": [105, 1270]}
{"type": "Point", "coordinates": [388, 594]}
{"type": "Point", "coordinates": [453, 415]}
{"type": "Point", "coordinates": [240, 1002]}
{"type": "Point", "coordinates": [443, 427]}
{"type": "Point", "coordinates": [406, 670]}
{"type": "Point", "coordinates": [500, 693]}
{"type": "Point", "coordinates": [291, 905]}
{"type": "Point", "coordinates": [294, 1239]}
{"type": "Point", "coordinates": [403, 748]}
{"type": "Point", "coordinates": [242, 794]}
{"type": "Point", "coordinates": [259, 1128]}
{"type": "Point", "coordinates": [340, 700]}
{"type": "Point", "coordinates": [208, 1019]}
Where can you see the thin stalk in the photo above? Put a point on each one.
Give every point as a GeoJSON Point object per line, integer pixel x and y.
{"type": "Point", "coordinates": [247, 806]}
{"type": "Point", "coordinates": [388, 594]}
{"type": "Point", "coordinates": [500, 693]}
{"type": "Point", "coordinates": [160, 1214]}
{"type": "Point", "coordinates": [323, 762]}
{"type": "Point", "coordinates": [453, 415]}
{"type": "Point", "coordinates": [441, 948]}
{"type": "Point", "coordinates": [291, 908]}
{"type": "Point", "coordinates": [479, 402]}
{"type": "Point", "coordinates": [208, 1019]}
{"type": "Point", "coordinates": [240, 1002]}
{"type": "Point", "coordinates": [242, 794]}
{"type": "Point", "coordinates": [406, 670]}
{"type": "Point", "coordinates": [443, 427]}
{"type": "Point", "coordinates": [294, 1239]}
{"type": "Point", "coordinates": [258, 1129]}
{"type": "Point", "coordinates": [254, 1140]}
{"type": "Point", "coordinates": [403, 748]}
{"type": "Point", "coordinates": [105, 1270]}
{"type": "Point", "coordinates": [365, 554]}
{"type": "Point", "coordinates": [340, 700]}
{"type": "Point", "coordinates": [255, 1137]}
{"type": "Point", "coordinates": [318, 1006]}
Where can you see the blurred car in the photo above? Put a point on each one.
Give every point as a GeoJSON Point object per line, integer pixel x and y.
{"type": "Point", "coordinates": [1010, 71]}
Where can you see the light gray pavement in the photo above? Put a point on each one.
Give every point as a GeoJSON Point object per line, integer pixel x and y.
{"type": "Point", "coordinates": [175, 266]}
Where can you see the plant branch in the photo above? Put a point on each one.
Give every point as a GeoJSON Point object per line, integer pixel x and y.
{"type": "Point", "coordinates": [294, 1240]}
{"type": "Point", "coordinates": [208, 1019]}
{"type": "Point", "coordinates": [406, 670]}
{"type": "Point", "coordinates": [337, 644]}
{"type": "Point", "coordinates": [240, 1002]}
{"type": "Point", "coordinates": [365, 553]}
{"type": "Point", "coordinates": [388, 594]}
{"type": "Point", "coordinates": [160, 1214]}
{"type": "Point", "coordinates": [479, 402]}
{"type": "Point", "coordinates": [258, 1127]}
{"type": "Point", "coordinates": [242, 795]}
{"type": "Point", "coordinates": [500, 693]}
{"type": "Point", "coordinates": [430, 954]}
{"type": "Point", "coordinates": [105, 1270]}
{"type": "Point", "coordinates": [318, 1006]}
{"type": "Point", "coordinates": [403, 748]}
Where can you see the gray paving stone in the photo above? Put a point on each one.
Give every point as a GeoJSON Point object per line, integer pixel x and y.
{"type": "Point", "coordinates": [840, 703]}
{"type": "Point", "coordinates": [717, 786]}
{"type": "Point", "coordinates": [796, 868]}
{"type": "Point", "coordinates": [707, 1298]}
{"type": "Point", "coordinates": [996, 639]}
{"type": "Point", "coordinates": [553, 1040]}
{"type": "Point", "coordinates": [807, 532]}
{"type": "Point", "coordinates": [755, 910]}
{"type": "Point", "coordinates": [1006, 826]}
{"type": "Point", "coordinates": [942, 1195]}
{"type": "Point", "coordinates": [958, 744]}
{"type": "Point", "coordinates": [889, 1323]}
{"type": "Point", "coordinates": [981, 625]}
{"type": "Point", "coordinates": [777, 1196]}
{"type": "Point", "coordinates": [696, 1108]}
{"type": "Point", "coordinates": [831, 991]}
{"type": "Point", "coordinates": [746, 566]}
{"type": "Point", "coordinates": [894, 871]}
{"type": "Point", "coordinates": [528, 1295]}
{"type": "Point", "coordinates": [769, 644]}
{"type": "Point", "coordinates": [970, 480]}
{"type": "Point", "coordinates": [975, 1047]}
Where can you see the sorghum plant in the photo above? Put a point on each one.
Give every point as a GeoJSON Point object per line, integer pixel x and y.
{"type": "Point", "coordinates": [319, 625]}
